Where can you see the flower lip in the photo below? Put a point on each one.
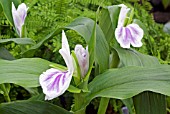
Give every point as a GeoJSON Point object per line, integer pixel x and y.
{"type": "Point", "coordinates": [131, 34]}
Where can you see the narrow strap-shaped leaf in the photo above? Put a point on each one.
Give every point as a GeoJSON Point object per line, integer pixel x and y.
{"type": "Point", "coordinates": [24, 72]}
{"type": "Point", "coordinates": [31, 107]}
{"type": "Point", "coordinates": [108, 21]}
{"type": "Point", "coordinates": [22, 41]}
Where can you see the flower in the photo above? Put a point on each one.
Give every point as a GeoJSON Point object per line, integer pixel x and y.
{"type": "Point", "coordinates": [125, 110]}
{"type": "Point", "coordinates": [55, 82]}
{"type": "Point", "coordinates": [19, 16]}
{"type": "Point", "coordinates": [131, 34]}
{"type": "Point", "coordinates": [83, 59]}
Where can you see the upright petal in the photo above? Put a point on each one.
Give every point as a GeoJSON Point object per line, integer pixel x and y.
{"type": "Point", "coordinates": [122, 15]}
{"type": "Point", "coordinates": [65, 52]}
{"type": "Point", "coordinates": [22, 11]}
{"type": "Point", "coordinates": [54, 82]}
{"type": "Point", "coordinates": [19, 16]}
{"type": "Point", "coordinates": [83, 59]}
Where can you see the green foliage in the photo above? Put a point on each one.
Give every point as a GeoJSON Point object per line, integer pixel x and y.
{"type": "Point", "coordinates": [31, 107]}
{"type": "Point", "coordinates": [24, 72]}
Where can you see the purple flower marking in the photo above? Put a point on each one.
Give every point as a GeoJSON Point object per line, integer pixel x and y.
{"type": "Point", "coordinates": [50, 76]}
{"type": "Point", "coordinates": [55, 83]}
{"type": "Point", "coordinates": [134, 30]}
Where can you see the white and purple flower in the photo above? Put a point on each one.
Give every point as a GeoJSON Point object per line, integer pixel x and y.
{"type": "Point", "coordinates": [55, 82]}
{"type": "Point", "coordinates": [130, 34]}
{"type": "Point", "coordinates": [19, 16]}
{"type": "Point", "coordinates": [83, 59]}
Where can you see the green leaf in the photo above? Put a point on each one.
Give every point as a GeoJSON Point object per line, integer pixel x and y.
{"type": "Point", "coordinates": [5, 54]}
{"type": "Point", "coordinates": [129, 81]}
{"type": "Point", "coordinates": [73, 89]}
{"type": "Point", "coordinates": [130, 57]}
{"type": "Point", "coordinates": [150, 102]}
{"type": "Point", "coordinates": [22, 41]}
{"type": "Point", "coordinates": [39, 97]}
{"type": "Point", "coordinates": [108, 21]}
{"type": "Point", "coordinates": [129, 104]}
{"type": "Point", "coordinates": [7, 7]}
{"type": "Point", "coordinates": [24, 72]}
{"type": "Point", "coordinates": [31, 107]}
{"type": "Point", "coordinates": [84, 26]}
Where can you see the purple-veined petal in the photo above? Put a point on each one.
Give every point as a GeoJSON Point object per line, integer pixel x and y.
{"type": "Point", "coordinates": [131, 34]}
{"type": "Point", "coordinates": [65, 52]}
{"type": "Point", "coordinates": [122, 15]}
{"type": "Point", "coordinates": [137, 35]}
{"type": "Point", "coordinates": [19, 16]}
{"type": "Point", "coordinates": [54, 82]}
{"type": "Point", "coordinates": [122, 37]}
{"type": "Point", "coordinates": [83, 59]}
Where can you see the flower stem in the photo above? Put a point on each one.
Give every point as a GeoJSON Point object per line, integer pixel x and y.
{"type": "Point", "coordinates": [78, 102]}
{"type": "Point", "coordinates": [103, 105]}
{"type": "Point", "coordinates": [6, 96]}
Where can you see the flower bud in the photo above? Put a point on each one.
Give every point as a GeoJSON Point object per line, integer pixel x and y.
{"type": "Point", "coordinates": [83, 59]}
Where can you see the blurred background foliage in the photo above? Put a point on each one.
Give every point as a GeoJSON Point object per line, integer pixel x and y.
{"type": "Point", "coordinates": [45, 16]}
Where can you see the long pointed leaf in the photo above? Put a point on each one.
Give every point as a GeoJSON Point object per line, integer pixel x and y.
{"type": "Point", "coordinates": [31, 107]}
{"type": "Point", "coordinates": [129, 81]}
{"type": "Point", "coordinates": [22, 41]}
{"type": "Point", "coordinates": [24, 72]}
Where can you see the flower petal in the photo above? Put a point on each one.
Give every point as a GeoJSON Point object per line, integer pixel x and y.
{"type": "Point", "coordinates": [83, 58]}
{"type": "Point", "coordinates": [122, 15]}
{"type": "Point", "coordinates": [19, 16]}
{"type": "Point", "coordinates": [122, 37]}
{"type": "Point", "coordinates": [131, 34]}
{"type": "Point", "coordinates": [22, 11]}
{"type": "Point", "coordinates": [137, 35]}
{"type": "Point", "coordinates": [65, 52]}
{"type": "Point", "coordinates": [54, 82]}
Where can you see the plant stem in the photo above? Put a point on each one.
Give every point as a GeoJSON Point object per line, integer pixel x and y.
{"type": "Point", "coordinates": [78, 102]}
{"type": "Point", "coordinates": [103, 105]}
{"type": "Point", "coordinates": [6, 96]}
